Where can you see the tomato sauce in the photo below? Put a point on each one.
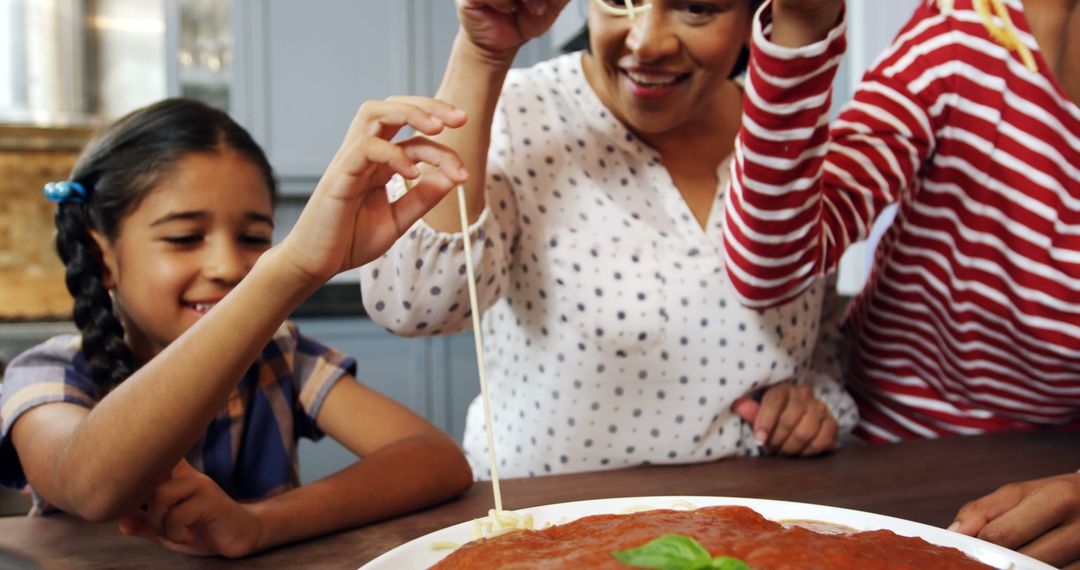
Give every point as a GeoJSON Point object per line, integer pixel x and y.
{"type": "Point", "coordinates": [724, 531]}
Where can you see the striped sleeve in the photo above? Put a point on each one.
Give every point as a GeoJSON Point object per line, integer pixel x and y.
{"type": "Point", "coordinates": [802, 192]}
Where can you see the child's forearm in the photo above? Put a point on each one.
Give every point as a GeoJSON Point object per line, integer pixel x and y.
{"type": "Point", "coordinates": [797, 23]}
{"type": "Point", "coordinates": [472, 83]}
{"type": "Point", "coordinates": [151, 420]}
{"type": "Point", "coordinates": [401, 478]}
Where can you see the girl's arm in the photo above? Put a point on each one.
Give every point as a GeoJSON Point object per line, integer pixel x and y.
{"type": "Point", "coordinates": [105, 462]}
{"type": "Point", "coordinates": [802, 192]}
{"type": "Point", "coordinates": [407, 464]}
{"type": "Point", "coordinates": [490, 35]}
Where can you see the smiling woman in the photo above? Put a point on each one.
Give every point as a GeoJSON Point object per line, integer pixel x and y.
{"type": "Point", "coordinates": [612, 337]}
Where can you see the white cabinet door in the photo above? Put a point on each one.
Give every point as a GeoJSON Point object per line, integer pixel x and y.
{"type": "Point", "coordinates": [303, 68]}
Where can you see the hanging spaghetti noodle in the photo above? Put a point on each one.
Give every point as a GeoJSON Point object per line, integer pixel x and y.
{"type": "Point", "coordinates": [478, 338]}
{"type": "Point", "coordinates": [630, 11]}
{"type": "Point", "coordinates": [1004, 33]}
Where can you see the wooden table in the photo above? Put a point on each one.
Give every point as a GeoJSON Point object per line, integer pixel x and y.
{"type": "Point", "coordinates": [925, 481]}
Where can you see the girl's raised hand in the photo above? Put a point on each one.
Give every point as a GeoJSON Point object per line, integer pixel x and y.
{"type": "Point", "coordinates": [349, 221]}
{"type": "Point", "coordinates": [189, 513]}
{"type": "Point", "coordinates": [500, 27]}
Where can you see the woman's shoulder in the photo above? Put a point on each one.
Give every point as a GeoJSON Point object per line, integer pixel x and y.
{"type": "Point", "coordinates": [560, 70]}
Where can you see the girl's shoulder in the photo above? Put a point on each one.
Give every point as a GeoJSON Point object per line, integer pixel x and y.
{"type": "Point", "coordinates": [61, 350]}
{"type": "Point", "coordinates": [300, 352]}
{"type": "Point", "coordinates": [53, 371]}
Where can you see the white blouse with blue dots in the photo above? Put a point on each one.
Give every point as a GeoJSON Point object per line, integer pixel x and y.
{"type": "Point", "coordinates": [612, 336]}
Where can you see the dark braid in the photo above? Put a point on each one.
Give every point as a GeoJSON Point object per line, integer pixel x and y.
{"type": "Point", "coordinates": [103, 343]}
{"type": "Point", "coordinates": [117, 169]}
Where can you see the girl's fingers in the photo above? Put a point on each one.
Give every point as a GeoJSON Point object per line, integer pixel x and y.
{"type": "Point", "coordinates": [446, 160]}
{"type": "Point", "coordinates": [447, 113]}
{"type": "Point", "coordinates": [184, 468]}
{"type": "Point", "coordinates": [385, 118]}
{"type": "Point", "coordinates": [421, 198]}
{"type": "Point", "coordinates": [388, 154]}
{"type": "Point", "coordinates": [165, 496]}
{"type": "Point", "coordinates": [180, 518]}
{"type": "Point", "coordinates": [136, 525]}
{"type": "Point", "coordinates": [401, 158]}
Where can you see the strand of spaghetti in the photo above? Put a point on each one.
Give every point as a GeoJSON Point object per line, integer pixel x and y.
{"type": "Point", "coordinates": [1006, 34]}
{"type": "Point", "coordinates": [630, 11]}
{"type": "Point", "coordinates": [478, 337]}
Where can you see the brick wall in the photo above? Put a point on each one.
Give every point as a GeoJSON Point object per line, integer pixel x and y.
{"type": "Point", "coordinates": [31, 275]}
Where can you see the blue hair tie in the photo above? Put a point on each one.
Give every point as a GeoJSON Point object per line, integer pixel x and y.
{"type": "Point", "coordinates": [66, 192]}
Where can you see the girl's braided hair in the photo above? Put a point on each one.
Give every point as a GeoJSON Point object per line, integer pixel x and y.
{"type": "Point", "coordinates": [118, 168]}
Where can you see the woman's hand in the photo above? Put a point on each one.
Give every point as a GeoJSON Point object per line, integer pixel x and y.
{"type": "Point", "coordinates": [790, 419]}
{"type": "Point", "coordinates": [499, 27]}
{"type": "Point", "coordinates": [190, 514]}
{"type": "Point", "coordinates": [349, 221]}
{"type": "Point", "coordinates": [1039, 518]}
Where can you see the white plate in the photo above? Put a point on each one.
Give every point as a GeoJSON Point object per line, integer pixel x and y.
{"type": "Point", "coordinates": [418, 553]}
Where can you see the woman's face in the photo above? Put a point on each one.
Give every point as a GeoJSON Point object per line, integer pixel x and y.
{"type": "Point", "coordinates": [665, 70]}
{"type": "Point", "coordinates": [190, 240]}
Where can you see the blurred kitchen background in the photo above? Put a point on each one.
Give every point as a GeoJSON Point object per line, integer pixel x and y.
{"type": "Point", "coordinates": [293, 72]}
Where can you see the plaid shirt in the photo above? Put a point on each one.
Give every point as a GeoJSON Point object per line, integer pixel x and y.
{"type": "Point", "coordinates": [249, 448]}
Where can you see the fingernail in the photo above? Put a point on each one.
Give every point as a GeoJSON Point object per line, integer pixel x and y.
{"type": "Point", "coordinates": [955, 526]}
{"type": "Point", "coordinates": [760, 437]}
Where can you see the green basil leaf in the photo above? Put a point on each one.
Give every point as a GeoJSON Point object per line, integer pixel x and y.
{"type": "Point", "coordinates": [669, 552]}
{"type": "Point", "coordinates": [728, 563]}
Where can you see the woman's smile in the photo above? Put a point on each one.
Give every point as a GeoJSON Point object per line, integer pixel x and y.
{"type": "Point", "coordinates": [649, 84]}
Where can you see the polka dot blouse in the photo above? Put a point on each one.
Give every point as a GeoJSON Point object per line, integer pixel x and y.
{"type": "Point", "coordinates": [612, 337]}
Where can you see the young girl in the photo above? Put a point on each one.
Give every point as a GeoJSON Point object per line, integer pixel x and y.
{"type": "Point", "coordinates": [186, 390]}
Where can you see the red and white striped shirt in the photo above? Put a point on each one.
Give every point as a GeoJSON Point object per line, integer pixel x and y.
{"type": "Point", "coordinates": [971, 319]}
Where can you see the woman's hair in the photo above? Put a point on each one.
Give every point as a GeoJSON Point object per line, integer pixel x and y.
{"type": "Point", "coordinates": [118, 168]}
{"type": "Point", "coordinates": [743, 62]}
